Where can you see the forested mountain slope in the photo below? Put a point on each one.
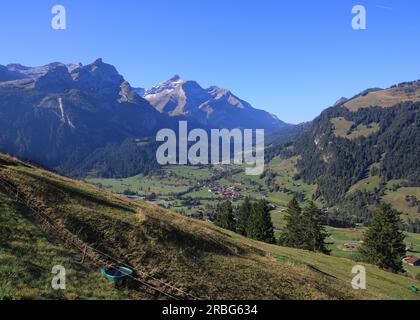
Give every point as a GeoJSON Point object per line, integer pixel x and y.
{"type": "Point", "coordinates": [362, 150]}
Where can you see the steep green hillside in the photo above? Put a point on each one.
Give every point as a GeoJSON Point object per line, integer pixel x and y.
{"type": "Point", "coordinates": [339, 237]}
{"type": "Point", "coordinates": [197, 257]}
{"type": "Point", "coordinates": [28, 254]}
{"type": "Point", "coordinates": [356, 149]}
{"type": "Point", "coordinates": [381, 284]}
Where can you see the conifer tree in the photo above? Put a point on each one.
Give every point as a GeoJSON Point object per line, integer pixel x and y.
{"type": "Point", "coordinates": [292, 233]}
{"type": "Point", "coordinates": [384, 242]}
{"type": "Point", "coordinates": [224, 216]}
{"type": "Point", "coordinates": [261, 226]}
{"type": "Point", "coordinates": [313, 230]}
{"type": "Point", "coordinates": [243, 217]}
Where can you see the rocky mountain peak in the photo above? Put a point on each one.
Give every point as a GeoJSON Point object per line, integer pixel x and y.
{"type": "Point", "coordinates": [56, 79]}
{"type": "Point", "coordinates": [9, 75]}
{"type": "Point", "coordinates": [98, 61]}
{"type": "Point", "coordinates": [214, 106]}
{"type": "Point", "coordinates": [175, 78]}
{"type": "Point", "coordinates": [99, 77]}
{"type": "Point", "coordinates": [128, 94]}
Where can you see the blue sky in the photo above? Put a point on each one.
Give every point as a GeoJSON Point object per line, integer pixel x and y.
{"type": "Point", "coordinates": [291, 57]}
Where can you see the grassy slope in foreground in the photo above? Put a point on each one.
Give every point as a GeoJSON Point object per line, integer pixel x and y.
{"type": "Point", "coordinates": [195, 256]}
{"type": "Point", "coordinates": [27, 256]}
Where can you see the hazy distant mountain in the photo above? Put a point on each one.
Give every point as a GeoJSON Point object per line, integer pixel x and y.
{"type": "Point", "coordinates": [212, 107]}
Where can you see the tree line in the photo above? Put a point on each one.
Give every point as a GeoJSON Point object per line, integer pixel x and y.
{"type": "Point", "coordinates": [304, 229]}
{"type": "Point", "coordinates": [250, 219]}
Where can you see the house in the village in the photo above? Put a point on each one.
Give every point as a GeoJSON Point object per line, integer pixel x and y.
{"type": "Point", "coordinates": [412, 261]}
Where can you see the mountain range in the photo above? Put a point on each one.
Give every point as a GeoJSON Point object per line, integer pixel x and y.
{"type": "Point", "coordinates": [212, 107]}
{"type": "Point", "coordinates": [75, 118]}
{"type": "Point", "coordinates": [88, 121]}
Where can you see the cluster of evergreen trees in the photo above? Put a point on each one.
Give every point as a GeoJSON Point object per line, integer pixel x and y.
{"type": "Point", "coordinates": [383, 243]}
{"type": "Point", "coordinates": [304, 229]}
{"type": "Point", "coordinates": [251, 219]}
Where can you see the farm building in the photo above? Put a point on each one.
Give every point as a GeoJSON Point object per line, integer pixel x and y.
{"type": "Point", "coordinates": [412, 261]}
{"type": "Point", "coordinates": [349, 246]}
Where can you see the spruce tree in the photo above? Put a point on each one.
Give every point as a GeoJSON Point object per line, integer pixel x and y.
{"type": "Point", "coordinates": [243, 217]}
{"type": "Point", "coordinates": [383, 241]}
{"type": "Point", "coordinates": [224, 216]}
{"type": "Point", "coordinates": [313, 230]}
{"type": "Point", "coordinates": [261, 226]}
{"type": "Point", "coordinates": [292, 233]}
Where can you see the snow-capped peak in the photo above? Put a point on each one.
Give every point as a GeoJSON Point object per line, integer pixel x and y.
{"type": "Point", "coordinates": [166, 86]}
